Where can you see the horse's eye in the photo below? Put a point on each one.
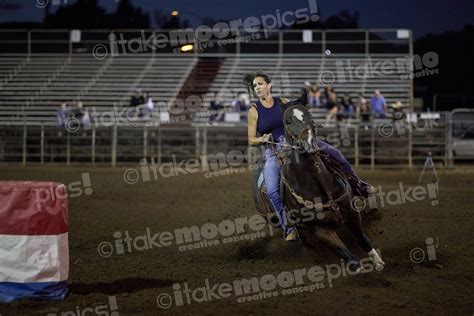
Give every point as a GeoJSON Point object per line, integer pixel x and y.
{"type": "Point", "coordinates": [288, 122]}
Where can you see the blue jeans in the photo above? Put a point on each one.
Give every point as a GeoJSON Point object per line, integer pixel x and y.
{"type": "Point", "coordinates": [271, 173]}
{"type": "Point", "coordinates": [335, 154]}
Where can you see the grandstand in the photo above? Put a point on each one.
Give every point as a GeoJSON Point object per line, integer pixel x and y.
{"type": "Point", "coordinates": [37, 84]}
{"type": "Point", "coordinates": [33, 84]}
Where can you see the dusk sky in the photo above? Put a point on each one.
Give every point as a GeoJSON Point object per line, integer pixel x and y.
{"type": "Point", "coordinates": [422, 16]}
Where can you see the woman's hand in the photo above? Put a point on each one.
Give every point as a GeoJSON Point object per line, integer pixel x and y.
{"type": "Point", "coordinates": [266, 138]}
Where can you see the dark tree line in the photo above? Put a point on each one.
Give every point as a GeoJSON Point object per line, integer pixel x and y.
{"type": "Point", "coordinates": [455, 51]}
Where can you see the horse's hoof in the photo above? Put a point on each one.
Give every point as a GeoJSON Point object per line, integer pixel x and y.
{"type": "Point", "coordinates": [376, 260]}
{"type": "Point", "coordinates": [355, 267]}
{"type": "Point", "coordinates": [379, 267]}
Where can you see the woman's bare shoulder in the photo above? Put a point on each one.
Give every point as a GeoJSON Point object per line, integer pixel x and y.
{"type": "Point", "coordinates": [253, 113]}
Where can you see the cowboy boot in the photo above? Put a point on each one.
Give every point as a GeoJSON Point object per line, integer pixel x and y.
{"type": "Point", "coordinates": [291, 234]}
{"type": "Point", "coordinates": [365, 189]}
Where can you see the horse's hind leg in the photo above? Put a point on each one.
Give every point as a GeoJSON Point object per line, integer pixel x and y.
{"type": "Point", "coordinates": [332, 240]}
{"type": "Point", "coordinates": [355, 226]}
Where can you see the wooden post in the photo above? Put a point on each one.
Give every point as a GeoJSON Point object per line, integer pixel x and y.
{"type": "Point", "coordinates": [411, 49]}
{"type": "Point", "coordinates": [93, 145]}
{"type": "Point", "coordinates": [372, 148]}
{"type": "Point", "coordinates": [367, 41]}
{"type": "Point", "coordinates": [42, 144]}
{"type": "Point", "coordinates": [204, 162]}
{"type": "Point", "coordinates": [323, 42]}
{"type": "Point", "coordinates": [145, 141]}
{"type": "Point", "coordinates": [29, 45]}
{"type": "Point", "coordinates": [68, 149]}
{"type": "Point", "coordinates": [24, 144]}
{"type": "Point", "coordinates": [237, 45]}
{"type": "Point", "coordinates": [197, 140]}
{"type": "Point", "coordinates": [280, 44]}
{"type": "Point", "coordinates": [356, 146]}
{"type": "Point", "coordinates": [410, 148]}
{"type": "Point", "coordinates": [114, 145]}
{"type": "Point", "coordinates": [158, 154]}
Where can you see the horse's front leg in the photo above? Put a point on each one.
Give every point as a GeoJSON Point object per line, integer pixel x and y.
{"type": "Point", "coordinates": [333, 242]}
{"type": "Point", "coordinates": [355, 226]}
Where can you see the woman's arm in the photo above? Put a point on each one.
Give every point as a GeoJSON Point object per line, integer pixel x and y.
{"type": "Point", "coordinates": [252, 129]}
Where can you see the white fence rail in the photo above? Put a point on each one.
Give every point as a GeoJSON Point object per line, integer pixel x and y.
{"type": "Point", "coordinates": [383, 143]}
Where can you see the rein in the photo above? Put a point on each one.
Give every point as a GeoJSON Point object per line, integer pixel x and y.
{"type": "Point", "coordinates": [331, 204]}
{"type": "Point", "coordinates": [284, 145]}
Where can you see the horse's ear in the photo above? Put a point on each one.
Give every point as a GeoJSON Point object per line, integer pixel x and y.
{"type": "Point", "coordinates": [302, 100]}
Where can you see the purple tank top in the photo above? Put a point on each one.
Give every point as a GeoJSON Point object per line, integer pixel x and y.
{"type": "Point", "coordinates": [270, 120]}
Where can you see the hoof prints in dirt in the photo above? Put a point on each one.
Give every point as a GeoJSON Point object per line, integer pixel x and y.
{"type": "Point", "coordinates": [127, 285]}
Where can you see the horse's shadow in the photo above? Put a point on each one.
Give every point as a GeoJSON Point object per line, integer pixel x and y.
{"type": "Point", "coordinates": [268, 247]}
{"type": "Point", "coordinates": [127, 285]}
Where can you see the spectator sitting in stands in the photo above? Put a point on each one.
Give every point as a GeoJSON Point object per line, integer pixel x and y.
{"type": "Point", "coordinates": [62, 115]}
{"type": "Point", "coordinates": [241, 105]}
{"type": "Point", "coordinates": [137, 99]}
{"type": "Point", "coordinates": [314, 97]}
{"type": "Point", "coordinates": [135, 102]}
{"type": "Point", "coordinates": [217, 110]}
{"type": "Point", "coordinates": [147, 107]}
{"type": "Point", "coordinates": [398, 113]}
{"type": "Point", "coordinates": [82, 115]}
{"type": "Point", "coordinates": [378, 106]}
{"type": "Point", "coordinates": [331, 103]}
{"type": "Point", "coordinates": [78, 112]}
{"type": "Point", "coordinates": [365, 114]}
{"type": "Point", "coordinates": [346, 109]}
{"type": "Point", "coordinates": [360, 105]}
{"type": "Point", "coordinates": [86, 120]}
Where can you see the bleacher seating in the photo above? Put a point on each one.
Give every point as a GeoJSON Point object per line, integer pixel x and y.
{"type": "Point", "coordinates": [293, 71]}
{"type": "Point", "coordinates": [41, 83]}
{"type": "Point", "coordinates": [33, 88]}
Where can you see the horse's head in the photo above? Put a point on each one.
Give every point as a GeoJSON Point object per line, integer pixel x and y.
{"type": "Point", "coordinates": [300, 130]}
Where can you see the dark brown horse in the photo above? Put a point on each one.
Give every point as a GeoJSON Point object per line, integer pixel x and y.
{"type": "Point", "coordinates": [315, 190]}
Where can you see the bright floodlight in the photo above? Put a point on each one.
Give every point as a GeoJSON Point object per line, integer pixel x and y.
{"type": "Point", "coordinates": [186, 48]}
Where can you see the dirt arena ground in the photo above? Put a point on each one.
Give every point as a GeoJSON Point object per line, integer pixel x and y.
{"type": "Point", "coordinates": [443, 283]}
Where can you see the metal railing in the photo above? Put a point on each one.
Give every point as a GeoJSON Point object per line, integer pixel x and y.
{"type": "Point", "coordinates": [338, 41]}
{"type": "Point", "coordinates": [369, 145]}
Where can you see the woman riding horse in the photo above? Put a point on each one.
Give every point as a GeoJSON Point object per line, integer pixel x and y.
{"type": "Point", "coordinates": [266, 117]}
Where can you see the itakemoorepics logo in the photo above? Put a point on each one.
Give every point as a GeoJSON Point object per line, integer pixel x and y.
{"type": "Point", "coordinates": [189, 238]}
{"type": "Point", "coordinates": [222, 32]}
{"type": "Point", "coordinates": [407, 67]}
{"type": "Point", "coordinates": [401, 195]}
{"type": "Point", "coordinates": [46, 196]}
{"type": "Point", "coordinates": [108, 309]}
{"type": "Point", "coordinates": [258, 288]}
